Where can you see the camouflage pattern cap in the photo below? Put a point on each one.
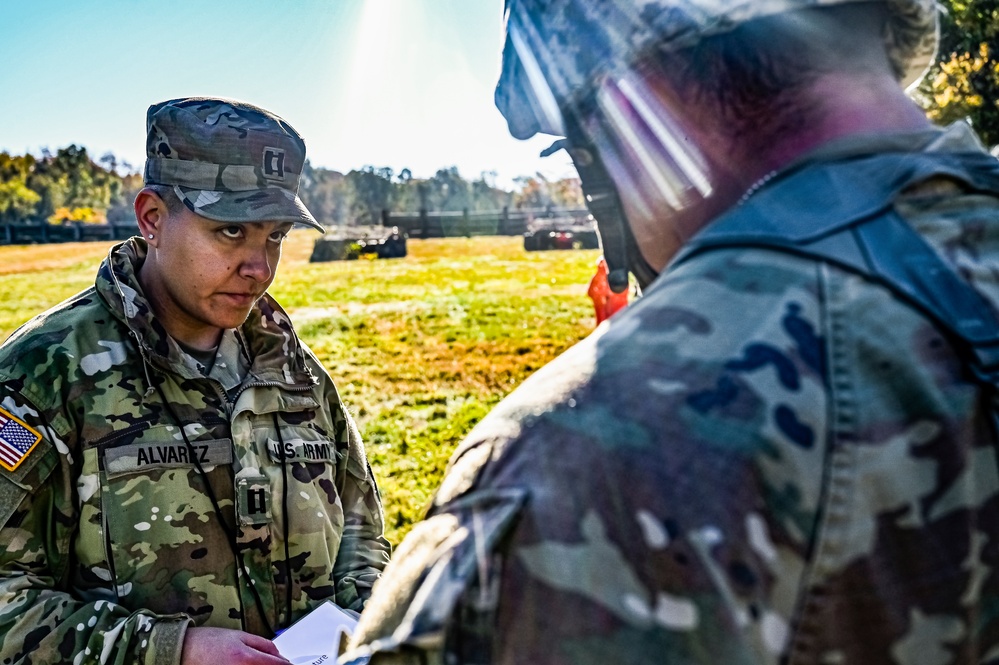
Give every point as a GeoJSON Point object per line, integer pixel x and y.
{"type": "Point", "coordinates": [228, 161]}
{"type": "Point", "coordinates": [557, 50]}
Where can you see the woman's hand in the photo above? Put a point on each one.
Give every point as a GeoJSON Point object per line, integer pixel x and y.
{"type": "Point", "coordinates": [223, 646]}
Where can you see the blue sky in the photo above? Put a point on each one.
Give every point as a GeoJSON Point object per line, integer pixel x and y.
{"type": "Point", "coordinates": [397, 83]}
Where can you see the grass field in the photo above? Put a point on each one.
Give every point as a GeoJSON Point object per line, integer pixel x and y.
{"type": "Point", "coordinates": [420, 347]}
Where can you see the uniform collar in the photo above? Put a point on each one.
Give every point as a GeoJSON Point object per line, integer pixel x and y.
{"type": "Point", "coordinates": [957, 137]}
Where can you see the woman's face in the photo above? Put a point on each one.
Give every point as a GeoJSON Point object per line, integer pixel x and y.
{"type": "Point", "coordinates": [205, 276]}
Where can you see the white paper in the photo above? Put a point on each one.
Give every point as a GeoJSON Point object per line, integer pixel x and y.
{"type": "Point", "coordinates": [315, 638]}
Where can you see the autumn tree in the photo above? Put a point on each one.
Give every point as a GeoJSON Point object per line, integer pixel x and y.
{"type": "Point", "coordinates": [326, 194]}
{"type": "Point", "coordinates": [537, 191]}
{"type": "Point", "coordinates": [964, 81]}
{"type": "Point", "coordinates": [72, 186]}
{"type": "Point", "coordinates": [410, 192]}
{"type": "Point", "coordinates": [17, 201]}
{"type": "Point", "coordinates": [120, 210]}
{"type": "Point", "coordinates": [372, 191]}
{"type": "Point", "coordinates": [487, 196]}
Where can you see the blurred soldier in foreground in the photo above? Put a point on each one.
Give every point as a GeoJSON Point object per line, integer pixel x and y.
{"type": "Point", "coordinates": [179, 477]}
{"type": "Point", "coordinates": [783, 453]}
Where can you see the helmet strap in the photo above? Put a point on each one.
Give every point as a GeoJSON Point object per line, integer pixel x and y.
{"type": "Point", "coordinates": [616, 237]}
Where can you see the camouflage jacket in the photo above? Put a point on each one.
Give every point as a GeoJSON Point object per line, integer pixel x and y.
{"type": "Point", "coordinates": [766, 459]}
{"type": "Point", "coordinates": [111, 547]}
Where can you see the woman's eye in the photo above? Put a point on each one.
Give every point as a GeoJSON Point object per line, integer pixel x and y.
{"type": "Point", "coordinates": [278, 236]}
{"type": "Point", "coordinates": [232, 231]}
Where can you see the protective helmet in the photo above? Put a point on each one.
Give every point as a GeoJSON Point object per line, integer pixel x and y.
{"type": "Point", "coordinates": [557, 53]}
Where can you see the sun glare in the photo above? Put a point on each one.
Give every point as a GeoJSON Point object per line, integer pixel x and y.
{"type": "Point", "coordinates": [376, 42]}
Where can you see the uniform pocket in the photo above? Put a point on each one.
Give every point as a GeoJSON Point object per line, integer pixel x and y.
{"type": "Point", "coordinates": [308, 462]}
{"type": "Point", "coordinates": [156, 517]}
{"type": "Point", "coordinates": [300, 467]}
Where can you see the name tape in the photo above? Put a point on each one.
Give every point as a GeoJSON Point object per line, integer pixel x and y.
{"type": "Point", "coordinates": [172, 454]}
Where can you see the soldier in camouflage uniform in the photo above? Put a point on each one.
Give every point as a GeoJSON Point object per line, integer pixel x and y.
{"type": "Point", "coordinates": [769, 458]}
{"type": "Point", "coordinates": [179, 476]}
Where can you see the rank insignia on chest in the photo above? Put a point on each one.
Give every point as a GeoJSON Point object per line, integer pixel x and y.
{"type": "Point", "coordinates": [16, 440]}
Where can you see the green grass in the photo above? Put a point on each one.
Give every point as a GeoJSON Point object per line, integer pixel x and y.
{"type": "Point", "coordinates": [420, 348]}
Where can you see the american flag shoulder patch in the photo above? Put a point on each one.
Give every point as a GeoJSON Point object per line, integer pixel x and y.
{"type": "Point", "coordinates": [16, 441]}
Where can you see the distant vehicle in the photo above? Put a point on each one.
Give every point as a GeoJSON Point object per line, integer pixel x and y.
{"type": "Point", "coordinates": [349, 243]}
{"type": "Point", "coordinates": [561, 233]}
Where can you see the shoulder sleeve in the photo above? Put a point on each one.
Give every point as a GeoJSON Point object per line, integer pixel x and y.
{"type": "Point", "coordinates": [41, 621]}
{"type": "Point", "coordinates": [364, 551]}
{"type": "Point", "coordinates": [28, 450]}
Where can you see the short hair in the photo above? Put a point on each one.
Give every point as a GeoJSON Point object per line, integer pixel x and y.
{"type": "Point", "coordinates": [753, 74]}
{"type": "Point", "coordinates": [169, 197]}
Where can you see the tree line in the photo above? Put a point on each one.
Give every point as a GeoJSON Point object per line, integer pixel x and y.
{"type": "Point", "coordinates": [359, 196]}
{"type": "Point", "coordinates": [69, 186]}
{"type": "Point", "coordinates": [65, 186]}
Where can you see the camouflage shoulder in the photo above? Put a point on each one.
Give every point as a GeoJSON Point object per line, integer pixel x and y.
{"type": "Point", "coordinates": [444, 559]}
{"type": "Point", "coordinates": [61, 316]}
{"type": "Point", "coordinates": [39, 363]}
{"type": "Point", "coordinates": [76, 336]}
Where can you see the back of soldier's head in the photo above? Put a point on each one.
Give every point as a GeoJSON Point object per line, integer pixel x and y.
{"type": "Point", "coordinates": [754, 74]}
{"type": "Point", "coordinates": [669, 106]}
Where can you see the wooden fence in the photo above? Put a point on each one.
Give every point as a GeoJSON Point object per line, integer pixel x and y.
{"type": "Point", "coordinates": [30, 234]}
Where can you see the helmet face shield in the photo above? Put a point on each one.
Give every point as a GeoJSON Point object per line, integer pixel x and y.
{"type": "Point", "coordinates": [654, 159]}
{"type": "Point", "coordinates": [524, 98]}
{"type": "Point", "coordinates": [670, 175]}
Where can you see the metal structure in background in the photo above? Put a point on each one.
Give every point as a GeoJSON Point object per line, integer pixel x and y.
{"type": "Point", "coordinates": [505, 222]}
{"type": "Point", "coordinates": [346, 243]}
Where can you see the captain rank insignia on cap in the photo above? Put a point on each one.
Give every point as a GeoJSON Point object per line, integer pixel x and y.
{"type": "Point", "coordinates": [16, 440]}
{"type": "Point", "coordinates": [274, 163]}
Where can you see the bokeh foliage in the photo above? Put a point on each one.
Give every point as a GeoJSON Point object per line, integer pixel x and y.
{"type": "Point", "coordinates": [964, 82]}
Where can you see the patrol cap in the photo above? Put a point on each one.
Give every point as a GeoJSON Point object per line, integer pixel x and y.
{"type": "Point", "coordinates": [556, 51]}
{"type": "Point", "coordinates": [227, 160]}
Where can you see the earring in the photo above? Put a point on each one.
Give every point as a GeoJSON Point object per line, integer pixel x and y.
{"type": "Point", "coordinates": [150, 236]}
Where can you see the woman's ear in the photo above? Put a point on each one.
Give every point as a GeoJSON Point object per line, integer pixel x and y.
{"type": "Point", "coordinates": [150, 213]}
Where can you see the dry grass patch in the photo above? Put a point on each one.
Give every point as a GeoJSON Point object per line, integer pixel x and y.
{"type": "Point", "coordinates": [16, 259]}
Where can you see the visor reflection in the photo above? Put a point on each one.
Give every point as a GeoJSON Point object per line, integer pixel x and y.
{"type": "Point", "coordinates": [647, 151]}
